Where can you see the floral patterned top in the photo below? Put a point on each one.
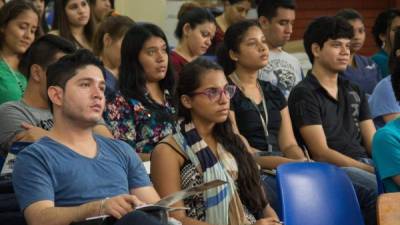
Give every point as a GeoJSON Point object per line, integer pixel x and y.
{"type": "Point", "coordinates": [140, 125]}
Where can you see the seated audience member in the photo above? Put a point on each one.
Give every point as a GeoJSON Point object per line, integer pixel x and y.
{"type": "Point", "coordinates": [100, 9]}
{"type": "Point", "coordinates": [107, 46]}
{"type": "Point", "coordinates": [195, 31]}
{"type": "Point", "coordinates": [382, 103]}
{"type": "Point", "coordinates": [104, 176]}
{"type": "Point", "coordinates": [142, 113]}
{"type": "Point", "coordinates": [386, 144]}
{"type": "Point", "coordinates": [330, 115]}
{"type": "Point", "coordinates": [41, 7]}
{"type": "Point", "coordinates": [386, 23]}
{"type": "Point", "coordinates": [361, 70]}
{"type": "Point", "coordinates": [73, 21]}
{"type": "Point", "coordinates": [19, 21]}
{"type": "Point", "coordinates": [258, 108]}
{"type": "Point", "coordinates": [203, 148]}
{"type": "Point", "coordinates": [30, 119]}
{"type": "Point", "coordinates": [276, 18]}
{"type": "Point", "coordinates": [234, 11]}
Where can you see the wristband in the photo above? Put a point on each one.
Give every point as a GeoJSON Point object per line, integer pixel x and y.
{"type": "Point", "coordinates": [101, 208]}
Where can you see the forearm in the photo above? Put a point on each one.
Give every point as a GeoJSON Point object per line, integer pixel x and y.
{"type": "Point", "coordinates": [337, 158]}
{"type": "Point", "coordinates": [294, 152]}
{"type": "Point", "coordinates": [144, 156]}
{"type": "Point", "coordinates": [271, 162]}
{"type": "Point", "coordinates": [66, 215]}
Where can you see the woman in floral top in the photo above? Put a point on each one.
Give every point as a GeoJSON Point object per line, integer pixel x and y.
{"type": "Point", "coordinates": [142, 113]}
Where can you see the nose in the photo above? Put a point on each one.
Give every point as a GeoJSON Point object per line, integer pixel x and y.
{"type": "Point", "coordinates": [223, 98]}
{"type": "Point", "coordinates": [289, 28]}
{"type": "Point", "coordinates": [208, 41]}
{"type": "Point", "coordinates": [98, 92]}
{"type": "Point", "coordinates": [161, 56]}
{"type": "Point", "coordinates": [29, 35]}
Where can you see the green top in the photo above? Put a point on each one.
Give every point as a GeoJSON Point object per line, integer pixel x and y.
{"type": "Point", "coordinates": [12, 83]}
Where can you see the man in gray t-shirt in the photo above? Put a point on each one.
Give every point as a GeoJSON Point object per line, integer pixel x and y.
{"type": "Point", "coordinates": [276, 19]}
{"type": "Point", "coordinates": [29, 119]}
{"type": "Point", "coordinates": [17, 117]}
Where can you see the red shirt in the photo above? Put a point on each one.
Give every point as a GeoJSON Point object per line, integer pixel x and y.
{"type": "Point", "coordinates": [177, 62]}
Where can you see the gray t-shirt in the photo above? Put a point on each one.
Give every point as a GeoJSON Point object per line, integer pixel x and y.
{"type": "Point", "coordinates": [283, 71]}
{"type": "Point", "coordinates": [13, 114]}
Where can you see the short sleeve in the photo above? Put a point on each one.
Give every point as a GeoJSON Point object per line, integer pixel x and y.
{"type": "Point", "coordinates": [31, 179]}
{"type": "Point", "coordinates": [364, 107]}
{"type": "Point", "coordinates": [383, 101]}
{"type": "Point", "coordinates": [137, 174]}
{"type": "Point", "coordinates": [386, 153]}
{"type": "Point", "coordinates": [11, 119]}
{"type": "Point", "coordinates": [276, 95]}
{"type": "Point", "coordinates": [304, 108]}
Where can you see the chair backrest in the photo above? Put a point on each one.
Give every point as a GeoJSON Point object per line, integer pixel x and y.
{"type": "Point", "coordinates": [388, 207]}
{"type": "Point", "coordinates": [317, 193]}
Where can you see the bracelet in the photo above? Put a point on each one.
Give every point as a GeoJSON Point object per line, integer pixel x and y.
{"type": "Point", "coordinates": [102, 206]}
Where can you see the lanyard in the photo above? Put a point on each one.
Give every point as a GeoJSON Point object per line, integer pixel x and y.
{"type": "Point", "coordinates": [264, 121]}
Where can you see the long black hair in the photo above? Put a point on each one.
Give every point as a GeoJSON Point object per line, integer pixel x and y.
{"type": "Point", "coordinates": [233, 37]}
{"type": "Point", "coordinates": [249, 186]}
{"type": "Point", "coordinates": [193, 16]}
{"type": "Point", "coordinates": [132, 79]}
{"type": "Point", "coordinates": [61, 23]}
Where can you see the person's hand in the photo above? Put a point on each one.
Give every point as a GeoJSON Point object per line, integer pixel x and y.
{"type": "Point", "coordinates": [120, 205]}
{"type": "Point", "coordinates": [30, 133]}
{"type": "Point", "coordinates": [269, 221]}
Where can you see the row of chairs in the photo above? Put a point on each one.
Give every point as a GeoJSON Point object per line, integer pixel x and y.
{"type": "Point", "coordinates": [305, 192]}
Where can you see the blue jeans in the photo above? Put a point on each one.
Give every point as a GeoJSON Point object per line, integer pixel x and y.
{"type": "Point", "coordinates": [137, 217]}
{"type": "Point", "coordinates": [270, 187]}
{"type": "Point", "coordinates": [364, 184]}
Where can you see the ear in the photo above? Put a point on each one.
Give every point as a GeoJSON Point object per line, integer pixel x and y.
{"type": "Point", "coordinates": [264, 22]}
{"type": "Point", "coordinates": [315, 49]}
{"type": "Point", "coordinates": [186, 101]}
{"type": "Point", "coordinates": [55, 94]}
{"type": "Point", "coordinates": [233, 55]}
{"type": "Point", "coordinates": [107, 40]}
{"type": "Point", "coordinates": [186, 29]}
{"type": "Point", "coordinates": [36, 72]}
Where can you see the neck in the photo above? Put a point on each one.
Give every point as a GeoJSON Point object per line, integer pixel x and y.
{"type": "Point", "coordinates": [70, 133]}
{"type": "Point", "coordinates": [32, 97]}
{"type": "Point", "coordinates": [155, 92]}
{"type": "Point", "coordinates": [274, 48]}
{"type": "Point", "coordinates": [352, 61]}
{"type": "Point", "coordinates": [10, 58]}
{"type": "Point", "coordinates": [110, 66]}
{"type": "Point", "coordinates": [204, 128]}
{"type": "Point", "coordinates": [184, 51]}
{"type": "Point", "coordinates": [223, 22]}
{"type": "Point", "coordinates": [77, 31]}
{"type": "Point", "coordinates": [325, 77]}
{"type": "Point", "coordinates": [246, 76]}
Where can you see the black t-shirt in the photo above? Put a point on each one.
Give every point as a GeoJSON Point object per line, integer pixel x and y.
{"type": "Point", "coordinates": [248, 118]}
{"type": "Point", "coordinates": [310, 104]}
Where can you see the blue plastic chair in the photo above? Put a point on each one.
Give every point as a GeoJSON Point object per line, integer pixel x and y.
{"type": "Point", "coordinates": [315, 194]}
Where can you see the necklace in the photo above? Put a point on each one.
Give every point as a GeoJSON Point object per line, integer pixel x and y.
{"type": "Point", "coordinates": [14, 75]}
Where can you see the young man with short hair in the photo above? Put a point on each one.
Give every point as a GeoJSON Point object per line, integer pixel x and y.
{"type": "Point", "coordinates": [276, 18]}
{"type": "Point", "coordinates": [29, 119]}
{"type": "Point", "coordinates": [329, 114]}
{"type": "Point", "coordinates": [73, 174]}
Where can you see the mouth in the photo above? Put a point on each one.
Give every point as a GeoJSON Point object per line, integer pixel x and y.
{"type": "Point", "coordinates": [264, 57]}
{"type": "Point", "coordinates": [162, 69]}
{"type": "Point", "coordinates": [97, 108]}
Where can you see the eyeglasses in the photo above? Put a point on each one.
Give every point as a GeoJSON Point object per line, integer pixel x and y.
{"type": "Point", "coordinates": [215, 94]}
